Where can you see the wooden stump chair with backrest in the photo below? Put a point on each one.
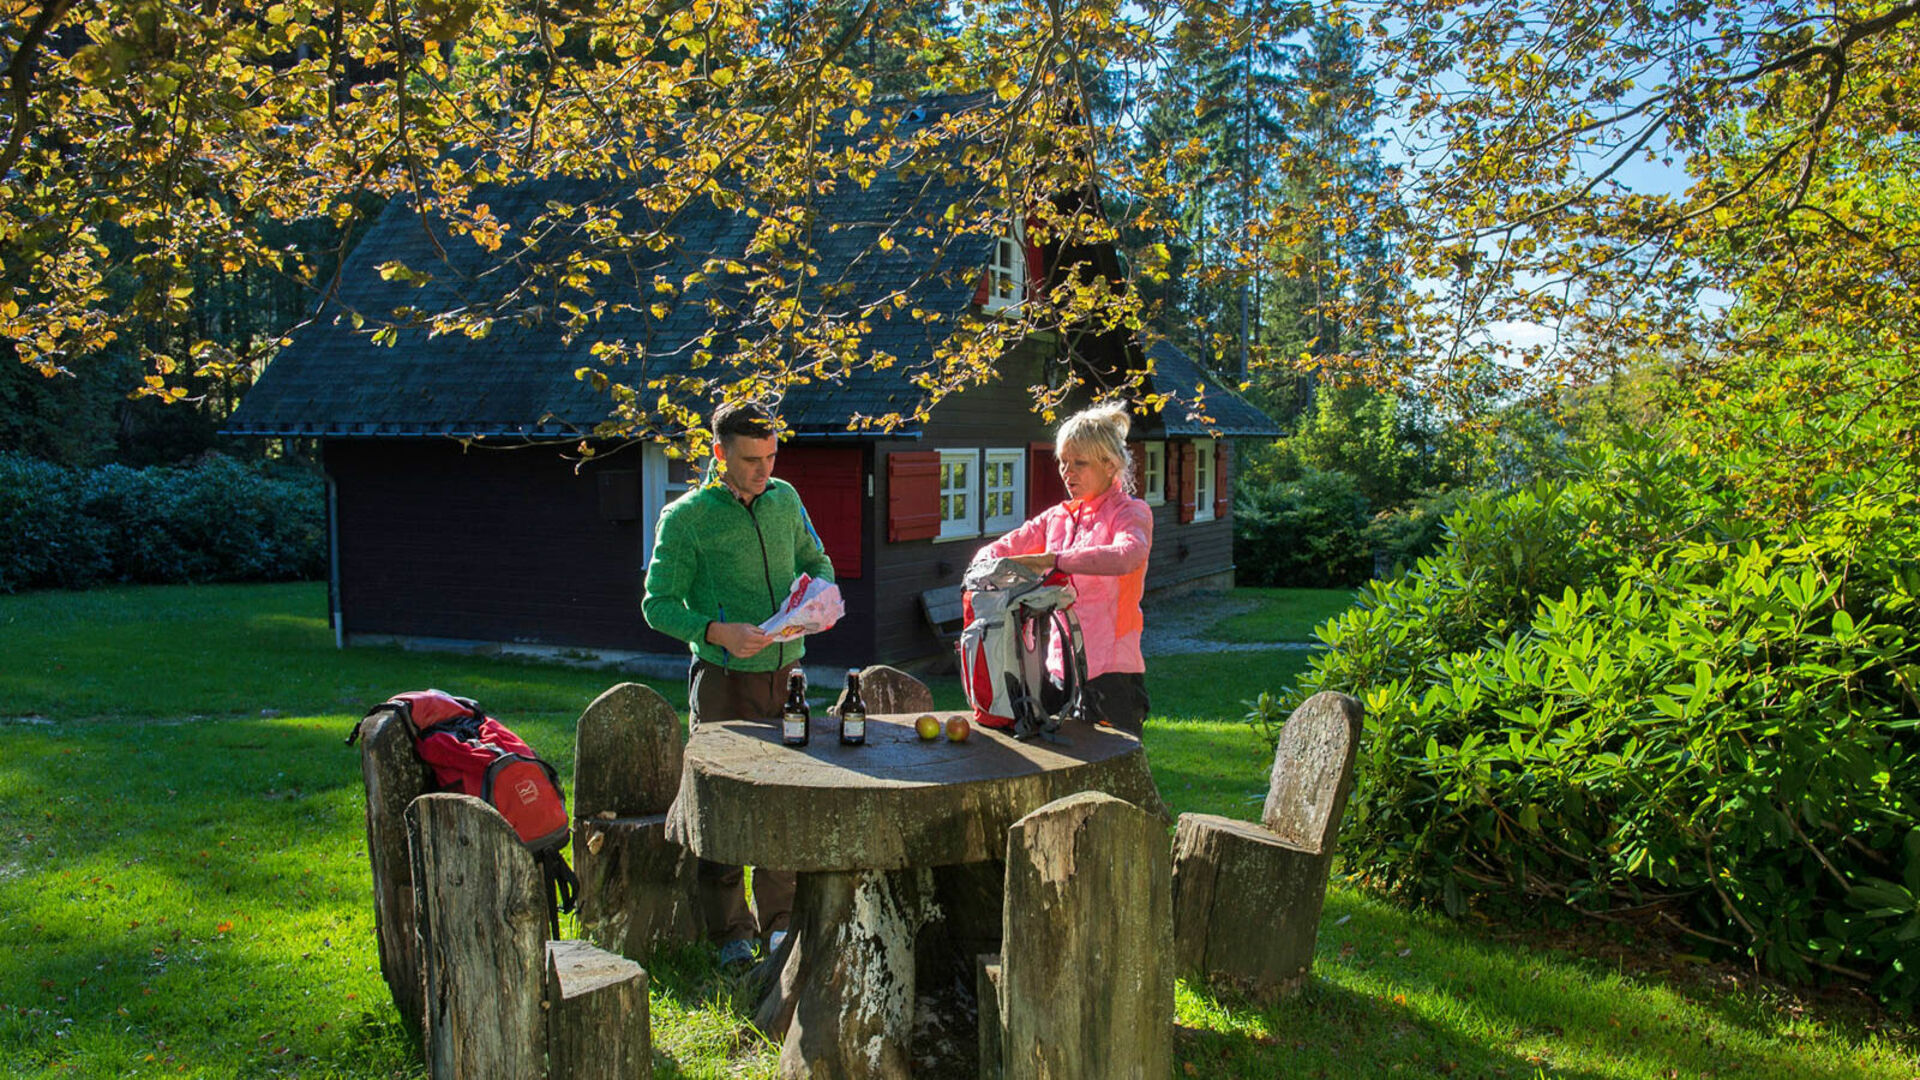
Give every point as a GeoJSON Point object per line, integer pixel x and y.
{"type": "Point", "coordinates": [1247, 898]}
{"type": "Point", "coordinates": [636, 886]}
{"type": "Point", "coordinates": [501, 1000]}
{"type": "Point", "coordinates": [394, 777]}
{"type": "Point", "coordinates": [889, 690]}
{"type": "Point", "coordinates": [1083, 984]}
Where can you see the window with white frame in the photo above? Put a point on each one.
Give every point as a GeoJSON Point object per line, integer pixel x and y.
{"type": "Point", "coordinates": [662, 480]}
{"type": "Point", "coordinates": [1007, 273]}
{"type": "Point", "coordinates": [959, 493]}
{"type": "Point", "coordinates": [1203, 480]}
{"type": "Point", "coordinates": [1004, 490]}
{"type": "Point", "coordinates": [1153, 472]}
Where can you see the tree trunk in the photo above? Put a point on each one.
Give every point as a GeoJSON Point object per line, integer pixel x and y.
{"type": "Point", "coordinates": [1086, 966]}
{"type": "Point", "coordinates": [482, 940]}
{"type": "Point", "coordinates": [896, 803]}
{"type": "Point", "coordinates": [845, 995]}
{"type": "Point", "coordinates": [597, 1022]}
{"type": "Point", "coordinates": [394, 777]}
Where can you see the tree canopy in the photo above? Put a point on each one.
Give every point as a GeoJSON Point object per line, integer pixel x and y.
{"type": "Point", "coordinates": [143, 143]}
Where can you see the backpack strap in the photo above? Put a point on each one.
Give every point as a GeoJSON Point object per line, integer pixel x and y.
{"type": "Point", "coordinates": [397, 706]}
{"type": "Point", "coordinates": [561, 886]}
{"type": "Point", "coordinates": [1073, 646]}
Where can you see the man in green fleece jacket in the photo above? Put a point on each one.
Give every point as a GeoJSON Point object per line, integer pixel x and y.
{"type": "Point", "coordinates": [725, 557]}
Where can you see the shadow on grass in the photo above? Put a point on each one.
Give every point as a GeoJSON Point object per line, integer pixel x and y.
{"type": "Point", "coordinates": [1431, 995]}
{"type": "Point", "coordinates": [1330, 1031]}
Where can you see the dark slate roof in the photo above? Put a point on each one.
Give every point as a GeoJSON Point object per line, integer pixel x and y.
{"type": "Point", "coordinates": [519, 381]}
{"type": "Point", "coordinates": [1216, 410]}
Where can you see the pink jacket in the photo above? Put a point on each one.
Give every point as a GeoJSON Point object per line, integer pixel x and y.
{"type": "Point", "coordinates": [1102, 543]}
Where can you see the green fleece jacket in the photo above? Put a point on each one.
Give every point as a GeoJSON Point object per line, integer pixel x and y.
{"type": "Point", "coordinates": [717, 559]}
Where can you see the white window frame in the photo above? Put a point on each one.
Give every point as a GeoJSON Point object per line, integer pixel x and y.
{"type": "Point", "coordinates": [1204, 478]}
{"type": "Point", "coordinates": [655, 493]}
{"type": "Point", "coordinates": [966, 523]}
{"type": "Point", "coordinates": [1007, 272]}
{"type": "Point", "coordinates": [1016, 458]}
{"type": "Point", "coordinates": [1153, 472]}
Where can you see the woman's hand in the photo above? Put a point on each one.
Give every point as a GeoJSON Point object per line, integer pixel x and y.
{"type": "Point", "coordinates": [1040, 563]}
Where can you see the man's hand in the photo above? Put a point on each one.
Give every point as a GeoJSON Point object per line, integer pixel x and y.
{"type": "Point", "coordinates": [739, 638]}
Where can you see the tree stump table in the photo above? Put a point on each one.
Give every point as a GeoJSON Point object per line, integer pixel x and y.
{"type": "Point", "coordinates": [865, 826]}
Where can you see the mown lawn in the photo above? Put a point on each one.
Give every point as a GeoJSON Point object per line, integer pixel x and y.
{"type": "Point", "coordinates": [183, 885]}
{"type": "Point", "coordinates": [1281, 614]}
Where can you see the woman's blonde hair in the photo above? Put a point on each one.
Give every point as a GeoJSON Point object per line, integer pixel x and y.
{"type": "Point", "coordinates": [1101, 429]}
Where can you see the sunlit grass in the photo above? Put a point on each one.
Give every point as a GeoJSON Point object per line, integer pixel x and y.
{"type": "Point", "coordinates": [190, 896]}
{"type": "Point", "coordinates": [1281, 614]}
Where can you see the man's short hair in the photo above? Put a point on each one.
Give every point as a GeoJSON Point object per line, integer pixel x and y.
{"type": "Point", "coordinates": [743, 419]}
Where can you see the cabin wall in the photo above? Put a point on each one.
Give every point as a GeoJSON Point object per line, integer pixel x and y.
{"type": "Point", "coordinates": [510, 545]}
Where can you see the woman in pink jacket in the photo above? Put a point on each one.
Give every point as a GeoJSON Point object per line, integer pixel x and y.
{"type": "Point", "coordinates": [1100, 538]}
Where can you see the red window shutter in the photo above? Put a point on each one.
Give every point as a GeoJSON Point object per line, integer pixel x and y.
{"type": "Point", "coordinates": [829, 480]}
{"type": "Point", "coordinates": [1222, 490]}
{"type": "Point", "coordinates": [1036, 264]}
{"type": "Point", "coordinates": [1137, 451]}
{"type": "Point", "coordinates": [1044, 486]}
{"type": "Point", "coordinates": [913, 495]}
{"type": "Point", "coordinates": [980, 292]}
{"type": "Point", "coordinates": [1189, 462]}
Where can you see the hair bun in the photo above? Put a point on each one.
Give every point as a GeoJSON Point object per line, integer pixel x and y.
{"type": "Point", "coordinates": [1114, 413]}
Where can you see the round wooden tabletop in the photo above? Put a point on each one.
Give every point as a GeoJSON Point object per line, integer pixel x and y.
{"type": "Point", "coordinates": [897, 802]}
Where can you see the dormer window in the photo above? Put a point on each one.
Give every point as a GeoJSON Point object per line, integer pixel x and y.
{"type": "Point", "coordinates": [1007, 273]}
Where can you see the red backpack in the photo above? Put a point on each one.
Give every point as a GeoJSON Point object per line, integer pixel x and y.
{"type": "Point", "coordinates": [472, 753]}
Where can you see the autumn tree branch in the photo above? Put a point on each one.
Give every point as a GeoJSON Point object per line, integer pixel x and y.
{"type": "Point", "coordinates": [20, 79]}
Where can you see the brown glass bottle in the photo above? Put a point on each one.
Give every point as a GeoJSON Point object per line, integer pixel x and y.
{"type": "Point", "coordinates": [853, 712]}
{"type": "Point", "coordinates": [796, 720]}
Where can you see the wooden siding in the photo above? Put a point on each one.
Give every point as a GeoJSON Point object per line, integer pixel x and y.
{"type": "Point", "coordinates": [498, 545]}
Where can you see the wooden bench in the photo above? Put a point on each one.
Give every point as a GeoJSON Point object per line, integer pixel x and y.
{"type": "Point", "coordinates": [943, 611]}
{"type": "Point", "coordinates": [1247, 897]}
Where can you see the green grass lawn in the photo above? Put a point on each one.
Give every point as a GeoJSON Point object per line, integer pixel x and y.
{"type": "Point", "coordinates": [184, 891]}
{"type": "Point", "coordinates": [1282, 614]}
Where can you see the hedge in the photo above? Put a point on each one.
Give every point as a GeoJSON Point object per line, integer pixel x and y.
{"type": "Point", "coordinates": [1629, 695]}
{"type": "Point", "coordinates": [217, 520]}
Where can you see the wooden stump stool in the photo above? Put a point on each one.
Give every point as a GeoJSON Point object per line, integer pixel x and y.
{"type": "Point", "coordinates": [501, 1000]}
{"type": "Point", "coordinates": [889, 690]}
{"type": "Point", "coordinates": [1086, 967]}
{"type": "Point", "coordinates": [394, 777]}
{"type": "Point", "coordinates": [1247, 898]}
{"type": "Point", "coordinates": [637, 887]}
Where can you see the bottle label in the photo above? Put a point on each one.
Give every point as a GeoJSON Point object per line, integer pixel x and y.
{"type": "Point", "coordinates": [793, 727]}
{"type": "Point", "coordinates": [853, 725]}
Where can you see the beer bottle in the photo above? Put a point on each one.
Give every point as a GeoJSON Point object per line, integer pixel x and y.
{"type": "Point", "coordinates": [853, 712]}
{"type": "Point", "coordinates": [796, 720]}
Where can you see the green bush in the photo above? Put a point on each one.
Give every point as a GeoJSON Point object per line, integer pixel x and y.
{"type": "Point", "coordinates": [1304, 533]}
{"type": "Point", "coordinates": [216, 521]}
{"type": "Point", "coordinates": [1634, 693]}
